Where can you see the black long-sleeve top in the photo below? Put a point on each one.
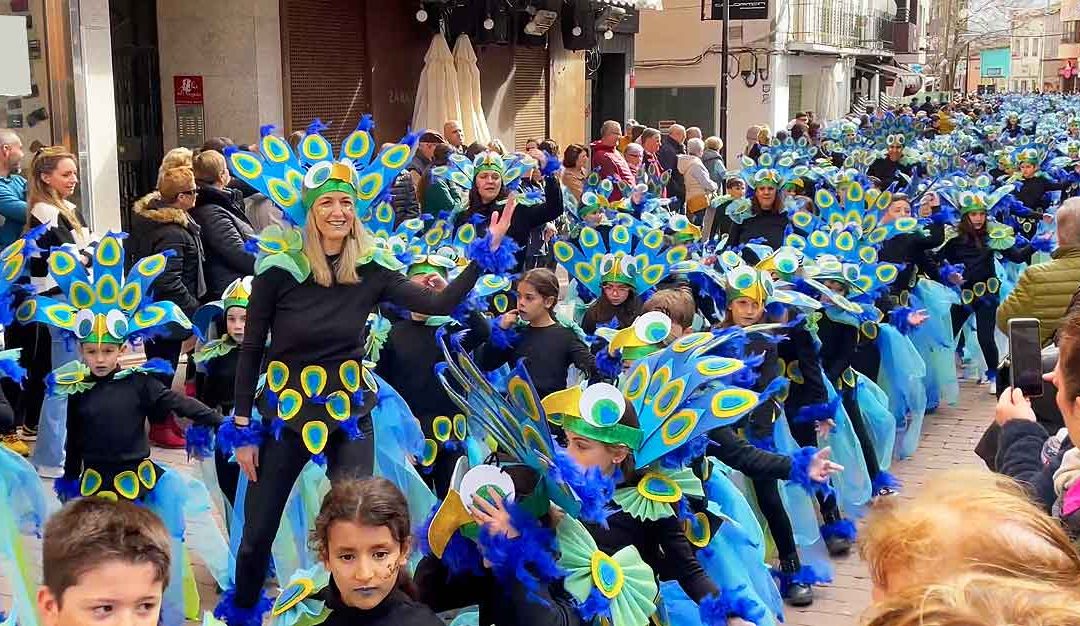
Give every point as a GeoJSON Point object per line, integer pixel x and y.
{"type": "Point", "coordinates": [1032, 191]}
{"type": "Point", "coordinates": [738, 453]}
{"type": "Point", "coordinates": [799, 346]}
{"type": "Point", "coordinates": [841, 341]}
{"type": "Point", "coordinates": [397, 609]}
{"type": "Point", "coordinates": [768, 225]}
{"type": "Point", "coordinates": [525, 219]}
{"type": "Point", "coordinates": [407, 361]}
{"type": "Point", "coordinates": [662, 545]}
{"type": "Point", "coordinates": [106, 423]}
{"type": "Point", "coordinates": [887, 171]}
{"type": "Point", "coordinates": [910, 249]}
{"type": "Point", "coordinates": [549, 351]}
{"type": "Point", "coordinates": [312, 324]}
{"type": "Point", "coordinates": [501, 603]}
{"type": "Point", "coordinates": [215, 386]}
{"type": "Point", "coordinates": [978, 259]}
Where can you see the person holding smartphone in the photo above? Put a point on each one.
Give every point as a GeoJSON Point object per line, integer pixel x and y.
{"type": "Point", "coordinates": [1048, 467]}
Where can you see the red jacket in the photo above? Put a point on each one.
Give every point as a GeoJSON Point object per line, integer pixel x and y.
{"type": "Point", "coordinates": [610, 162]}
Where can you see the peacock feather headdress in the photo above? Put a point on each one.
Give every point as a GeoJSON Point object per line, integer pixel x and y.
{"type": "Point", "coordinates": [102, 306]}
{"type": "Point", "coordinates": [771, 172]}
{"type": "Point", "coordinates": [462, 172]}
{"type": "Point", "coordinates": [640, 262]}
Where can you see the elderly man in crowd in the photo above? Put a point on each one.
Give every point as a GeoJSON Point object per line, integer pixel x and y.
{"type": "Point", "coordinates": [1044, 290]}
{"type": "Point", "coordinates": [453, 134]}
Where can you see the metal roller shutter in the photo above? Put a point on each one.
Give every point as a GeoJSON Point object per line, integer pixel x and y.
{"type": "Point", "coordinates": [530, 95]}
{"type": "Point", "coordinates": [327, 74]}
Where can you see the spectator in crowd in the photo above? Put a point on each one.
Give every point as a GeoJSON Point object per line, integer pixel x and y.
{"type": "Point", "coordinates": [980, 599]}
{"type": "Point", "coordinates": [635, 157]}
{"type": "Point", "coordinates": [694, 132]}
{"type": "Point", "coordinates": [54, 175]}
{"type": "Point", "coordinates": [758, 141]}
{"type": "Point", "coordinates": [219, 212]}
{"type": "Point", "coordinates": [403, 197]}
{"type": "Point", "coordinates": [575, 169]}
{"type": "Point", "coordinates": [964, 520]}
{"type": "Point", "coordinates": [12, 187]}
{"type": "Point", "coordinates": [751, 140]}
{"type": "Point", "coordinates": [532, 144]}
{"type": "Point", "coordinates": [438, 194]}
{"type": "Point", "coordinates": [295, 138]}
{"type": "Point", "coordinates": [813, 131]}
{"type": "Point", "coordinates": [1048, 467]}
{"type": "Point", "coordinates": [800, 118]}
{"type": "Point", "coordinates": [474, 149]}
{"type": "Point", "coordinates": [699, 185]}
{"type": "Point", "coordinates": [673, 146]}
{"type": "Point", "coordinates": [712, 160]}
{"type": "Point", "coordinates": [161, 221]}
{"type": "Point", "coordinates": [608, 160]}
{"type": "Point", "coordinates": [425, 150]}
{"type": "Point", "coordinates": [550, 147]}
{"type": "Point", "coordinates": [177, 157]}
{"type": "Point", "coordinates": [454, 136]}
{"type": "Point", "coordinates": [633, 135]}
{"type": "Point", "coordinates": [218, 144]}
{"type": "Point", "coordinates": [497, 147]}
{"type": "Point", "coordinates": [651, 141]}
{"type": "Point", "coordinates": [1044, 290]}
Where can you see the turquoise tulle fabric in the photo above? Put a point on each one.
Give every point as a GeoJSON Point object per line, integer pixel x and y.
{"type": "Point", "coordinates": [880, 422]}
{"type": "Point", "coordinates": [935, 342]}
{"type": "Point", "coordinates": [902, 380]}
{"type": "Point", "coordinates": [23, 510]}
{"type": "Point", "coordinates": [735, 557]}
{"type": "Point", "coordinates": [167, 501]}
{"type": "Point", "coordinates": [853, 488]}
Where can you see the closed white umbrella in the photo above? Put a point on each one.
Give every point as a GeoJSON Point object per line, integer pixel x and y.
{"type": "Point", "coordinates": [437, 94]}
{"type": "Point", "coordinates": [473, 120]}
{"type": "Point", "coordinates": [828, 99]}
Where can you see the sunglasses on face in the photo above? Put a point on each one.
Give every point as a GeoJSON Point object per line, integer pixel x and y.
{"type": "Point", "coordinates": [190, 192]}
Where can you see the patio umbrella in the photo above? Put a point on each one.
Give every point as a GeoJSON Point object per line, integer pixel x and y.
{"type": "Point", "coordinates": [473, 121]}
{"type": "Point", "coordinates": [828, 99]}
{"type": "Point", "coordinates": [437, 93]}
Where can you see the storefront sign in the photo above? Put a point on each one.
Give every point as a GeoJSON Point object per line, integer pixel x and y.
{"type": "Point", "coordinates": [737, 9]}
{"type": "Point", "coordinates": [15, 50]}
{"type": "Point", "coordinates": [190, 115]}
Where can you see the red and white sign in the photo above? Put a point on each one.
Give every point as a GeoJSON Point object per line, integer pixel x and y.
{"type": "Point", "coordinates": [188, 90]}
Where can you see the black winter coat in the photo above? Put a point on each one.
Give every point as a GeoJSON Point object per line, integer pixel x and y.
{"type": "Point", "coordinates": [978, 261]}
{"type": "Point", "coordinates": [224, 228]}
{"type": "Point", "coordinates": [155, 229]}
{"type": "Point", "coordinates": [669, 162]}
{"type": "Point", "coordinates": [1019, 457]}
{"type": "Point", "coordinates": [770, 226]}
{"type": "Point", "coordinates": [403, 198]}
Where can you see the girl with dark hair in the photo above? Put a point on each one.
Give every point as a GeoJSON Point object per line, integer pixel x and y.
{"type": "Point", "coordinates": [531, 331]}
{"type": "Point", "coordinates": [575, 169]}
{"type": "Point", "coordinates": [363, 537]}
{"type": "Point", "coordinates": [968, 265]}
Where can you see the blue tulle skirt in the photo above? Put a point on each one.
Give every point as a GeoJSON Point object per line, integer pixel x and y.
{"type": "Point", "coordinates": [853, 486]}
{"type": "Point", "coordinates": [24, 507]}
{"type": "Point", "coordinates": [935, 342]}
{"type": "Point", "coordinates": [880, 421]}
{"type": "Point", "coordinates": [902, 381]}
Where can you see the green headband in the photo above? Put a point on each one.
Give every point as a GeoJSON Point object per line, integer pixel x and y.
{"type": "Point", "coordinates": [616, 435]}
{"type": "Point", "coordinates": [426, 268]}
{"type": "Point", "coordinates": [333, 184]}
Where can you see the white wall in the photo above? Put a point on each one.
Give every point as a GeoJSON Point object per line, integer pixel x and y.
{"type": "Point", "coordinates": [235, 45]}
{"type": "Point", "coordinates": [94, 99]}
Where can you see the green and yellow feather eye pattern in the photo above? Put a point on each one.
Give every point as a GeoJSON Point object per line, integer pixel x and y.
{"type": "Point", "coordinates": [65, 268]}
{"type": "Point", "coordinates": [315, 148]}
{"type": "Point", "coordinates": [358, 147]}
{"type": "Point", "coordinates": [313, 380]}
{"type": "Point", "coordinates": [148, 474]}
{"type": "Point", "coordinates": [339, 405]}
{"type": "Point", "coordinates": [315, 435]}
{"type": "Point", "coordinates": [127, 485]}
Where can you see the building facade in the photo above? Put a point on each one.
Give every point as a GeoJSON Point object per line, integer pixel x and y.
{"type": "Point", "coordinates": [122, 81]}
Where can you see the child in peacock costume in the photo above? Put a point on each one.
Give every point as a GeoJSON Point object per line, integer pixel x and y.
{"type": "Point", "coordinates": [1033, 185]}
{"type": "Point", "coordinates": [321, 402]}
{"type": "Point", "coordinates": [107, 452]}
{"type": "Point", "coordinates": [969, 260]}
{"type": "Point", "coordinates": [616, 274]}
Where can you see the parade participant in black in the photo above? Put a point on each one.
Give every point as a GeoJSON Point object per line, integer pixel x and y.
{"type": "Point", "coordinates": [968, 265]}
{"type": "Point", "coordinates": [407, 361]}
{"type": "Point", "coordinates": [1031, 189]}
{"type": "Point", "coordinates": [314, 288]}
{"type": "Point", "coordinates": [766, 219]}
{"type": "Point", "coordinates": [491, 177]}
{"type": "Point", "coordinates": [911, 249]}
{"type": "Point", "coordinates": [363, 539]}
{"type": "Point", "coordinates": [887, 169]}
{"type": "Point", "coordinates": [533, 332]}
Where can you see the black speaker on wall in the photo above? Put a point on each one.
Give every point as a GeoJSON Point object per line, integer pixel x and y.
{"type": "Point", "coordinates": [578, 27]}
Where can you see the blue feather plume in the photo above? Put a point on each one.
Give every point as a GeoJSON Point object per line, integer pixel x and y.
{"type": "Point", "coordinates": [199, 442]}
{"type": "Point", "coordinates": [233, 615]}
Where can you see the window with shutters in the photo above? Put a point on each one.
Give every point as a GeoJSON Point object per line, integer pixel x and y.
{"type": "Point", "coordinates": [327, 75]}
{"type": "Point", "coordinates": [530, 95]}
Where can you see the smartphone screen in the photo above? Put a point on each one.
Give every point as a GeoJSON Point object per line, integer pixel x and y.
{"type": "Point", "coordinates": [1025, 352]}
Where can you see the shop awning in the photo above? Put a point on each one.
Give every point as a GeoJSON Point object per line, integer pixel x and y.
{"type": "Point", "coordinates": [878, 69]}
{"type": "Point", "coordinates": [651, 5]}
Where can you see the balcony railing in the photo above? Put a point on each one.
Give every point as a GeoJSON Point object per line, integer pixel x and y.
{"type": "Point", "coordinates": [838, 24]}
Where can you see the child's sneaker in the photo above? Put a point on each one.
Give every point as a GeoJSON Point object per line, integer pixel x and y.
{"type": "Point", "coordinates": [27, 433]}
{"type": "Point", "coordinates": [49, 471]}
{"type": "Point", "coordinates": [12, 442]}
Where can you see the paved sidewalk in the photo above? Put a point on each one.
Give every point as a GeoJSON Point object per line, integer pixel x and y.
{"type": "Point", "coordinates": [949, 437]}
{"type": "Point", "coordinates": [948, 441]}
